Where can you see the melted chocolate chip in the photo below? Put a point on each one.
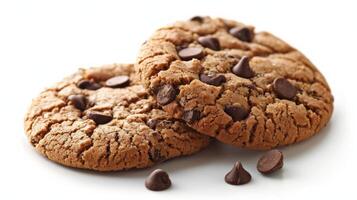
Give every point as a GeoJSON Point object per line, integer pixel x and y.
{"type": "Point", "coordinates": [191, 116]}
{"type": "Point", "coordinates": [191, 53]}
{"type": "Point", "coordinates": [236, 112]}
{"type": "Point", "coordinates": [242, 68]}
{"type": "Point", "coordinates": [213, 79]}
{"type": "Point", "coordinates": [242, 33]}
{"type": "Point", "coordinates": [99, 118]}
{"type": "Point", "coordinates": [198, 19]}
{"type": "Point", "coordinates": [284, 89]}
{"type": "Point", "coordinates": [78, 101]}
{"type": "Point", "coordinates": [117, 81]}
{"type": "Point", "coordinates": [89, 85]}
{"type": "Point", "coordinates": [238, 175]}
{"type": "Point", "coordinates": [155, 155]}
{"type": "Point", "coordinates": [209, 42]}
{"type": "Point", "coordinates": [158, 180]}
{"type": "Point", "coordinates": [152, 123]}
{"type": "Point", "coordinates": [166, 94]}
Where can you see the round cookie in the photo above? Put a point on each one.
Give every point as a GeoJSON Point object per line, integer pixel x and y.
{"type": "Point", "coordinates": [245, 88]}
{"type": "Point", "coordinates": [101, 119]}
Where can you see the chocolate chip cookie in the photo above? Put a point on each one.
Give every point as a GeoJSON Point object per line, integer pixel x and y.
{"type": "Point", "coordinates": [101, 119]}
{"type": "Point", "coordinates": [245, 88]}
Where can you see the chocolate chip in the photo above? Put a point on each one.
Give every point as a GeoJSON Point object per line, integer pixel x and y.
{"type": "Point", "coordinates": [158, 180]}
{"type": "Point", "coordinates": [242, 33]}
{"type": "Point", "coordinates": [155, 155]}
{"type": "Point", "coordinates": [270, 162]}
{"type": "Point", "coordinates": [152, 123]}
{"type": "Point", "coordinates": [213, 79]}
{"type": "Point", "coordinates": [198, 19]}
{"type": "Point", "coordinates": [242, 68]}
{"type": "Point", "coordinates": [238, 175]}
{"type": "Point", "coordinates": [236, 112]}
{"type": "Point", "coordinates": [89, 85]}
{"type": "Point", "coordinates": [284, 89]}
{"type": "Point", "coordinates": [78, 101]}
{"type": "Point", "coordinates": [99, 118]}
{"type": "Point", "coordinates": [191, 53]}
{"type": "Point", "coordinates": [117, 81]}
{"type": "Point", "coordinates": [166, 94]}
{"type": "Point", "coordinates": [191, 116]}
{"type": "Point", "coordinates": [210, 42]}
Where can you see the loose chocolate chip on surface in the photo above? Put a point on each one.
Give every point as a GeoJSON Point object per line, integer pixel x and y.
{"type": "Point", "coordinates": [242, 33]}
{"type": "Point", "coordinates": [284, 89]}
{"type": "Point", "coordinates": [236, 112]}
{"type": "Point", "coordinates": [158, 180]}
{"type": "Point", "coordinates": [89, 85]}
{"type": "Point", "coordinates": [191, 116]}
{"type": "Point", "coordinates": [99, 118]}
{"type": "Point", "coordinates": [270, 162]}
{"type": "Point", "coordinates": [191, 53]}
{"type": "Point", "coordinates": [238, 175]}
{"type": "Point", "coordinates": [78, 101]}
{"type": "Point", "coordinates": [209, 42]}
{"type": "Point", "coordinates": [152, 123]}
{"type": "Point", "coordinates": [117, 81]}
{"type": "Point", "coordinates": [242, 68]}
{"type": "Point", "coordinates": [213, 79]}
{"type": "Point", "coordinates": [166, 94]}
{"type": "Point", "coordinates": [198, 19]}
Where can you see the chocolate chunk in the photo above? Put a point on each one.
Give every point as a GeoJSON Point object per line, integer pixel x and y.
{"type": "Point", "coordinates": [210, 42]}
{"type": "Point", "coordinates": [213, 79]}
{"type": "Point", "coordinates": [191, 116]}
{"type": "Point", "coordinates": [166, 94]}
{"type": "Point", "coordinates": [284, 89]}
{"type": "Point", "coordinates": [236, 112]}
{"type": "Point", "coordinates": [242, 33]}
{"type": "Point", "coordinates": [152, 123]}
{"type": "Point", "coordinates": [191, 53]}
{"type": "Point", "coordinates": [198, 19]}
{"type": "Point", "coordinates": [158, 180]}
{"type": "Point", "coordinates": [99, 118]}
{"type": "Point", "coordinates": [78, 101]}
{"type": "Point", "coordinates": [238, 175]}
{"type": "Point", "coordinates": [117, 81]}
{"type": "Point", "coordinates": [242, 68]}
{"type": "Point", "coordinates": [89, 85]}
{"type": "Point", "coordinates": [270, 162]}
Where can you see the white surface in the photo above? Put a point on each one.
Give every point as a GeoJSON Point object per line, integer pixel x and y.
{"type": "Point", "coordinates": [42, 41]}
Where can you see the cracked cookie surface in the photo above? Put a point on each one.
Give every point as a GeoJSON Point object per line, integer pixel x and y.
{"type": "Point", "coordinates": [94, 121]}
{"type": "Point", "coordinates": [245, 88]}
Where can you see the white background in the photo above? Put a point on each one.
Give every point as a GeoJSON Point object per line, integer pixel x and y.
{"type": "Point", "coordinates": [42, 41]}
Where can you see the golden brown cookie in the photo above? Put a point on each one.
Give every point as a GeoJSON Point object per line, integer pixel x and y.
{"type": "Point", "coordinates": [101, 119]}
{"type": "Point", "coordinates": [245, 88]}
